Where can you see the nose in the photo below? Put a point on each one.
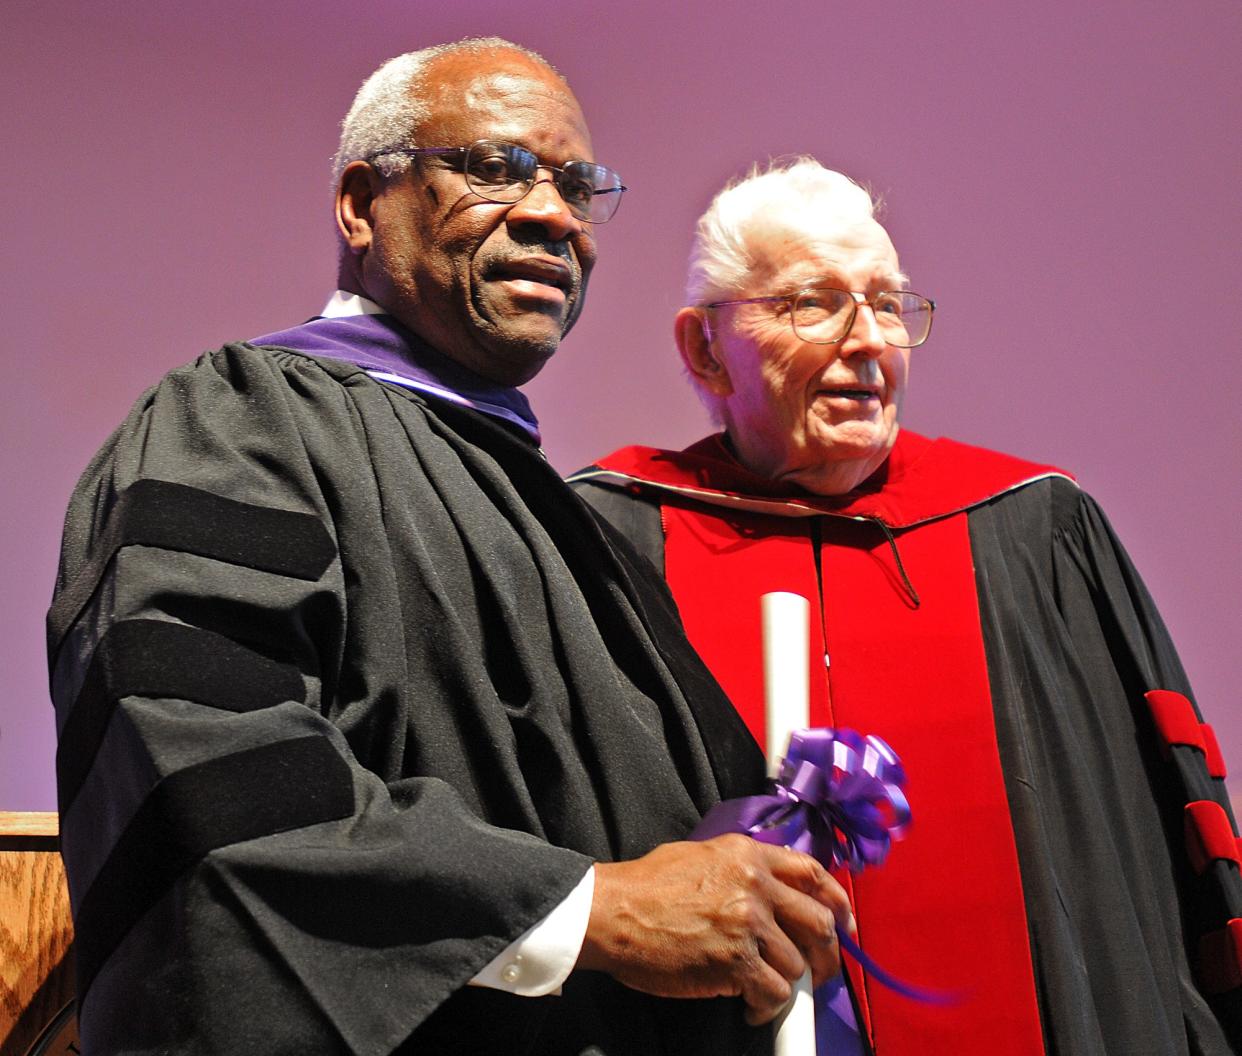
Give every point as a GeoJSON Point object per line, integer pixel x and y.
{"type": "Point", "coordinates": [543, 207]}
{"type": "Point", "coordinates": [864, 337]}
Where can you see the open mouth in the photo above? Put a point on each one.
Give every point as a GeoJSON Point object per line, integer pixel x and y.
{"type": "Point", "coordinates": [845, 393]}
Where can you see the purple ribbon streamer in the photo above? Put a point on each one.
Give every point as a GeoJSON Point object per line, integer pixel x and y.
{"type": "Point", "coordinates": [838, 797]}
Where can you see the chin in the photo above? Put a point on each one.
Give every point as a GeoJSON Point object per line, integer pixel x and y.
{"type": "Point", "coordinates": [861, 442]}
{"type": "Point", "coordinates": [833, 468]}
{"type": "Point", "coordinates": [514, 359]}
{"type": "Point", "coordinates": [877, 432]}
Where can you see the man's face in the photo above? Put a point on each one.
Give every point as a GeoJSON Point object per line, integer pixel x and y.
{"type": "Point", "coordinates": [823, 417]}
{"type": "Point", "coordinates": [492, 286]}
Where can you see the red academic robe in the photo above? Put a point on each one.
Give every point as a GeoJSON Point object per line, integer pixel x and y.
{"type": "Point", "coordinates": [974, 611]}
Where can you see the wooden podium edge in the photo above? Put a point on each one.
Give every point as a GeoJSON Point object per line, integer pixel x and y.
{"type": "Point", "coordinates": [35, 931]}
{"type": "Point", "coordinates": [29, 823]}
{"type": "Point", "coordinates": [33, 831]}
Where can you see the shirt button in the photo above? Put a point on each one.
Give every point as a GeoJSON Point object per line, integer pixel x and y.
{"type": "Point", "coordinates": [511, 972]}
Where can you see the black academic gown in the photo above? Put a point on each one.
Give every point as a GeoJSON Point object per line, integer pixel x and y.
{"type": "Point", "coordinates": [351, 690]}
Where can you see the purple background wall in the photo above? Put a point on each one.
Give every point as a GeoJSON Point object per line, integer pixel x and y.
{"type": "Point", "coordinates": [1062, 177]}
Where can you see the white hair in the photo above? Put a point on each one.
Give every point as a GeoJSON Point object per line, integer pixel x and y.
{"type": "Point", "coordinates": [392, 102]}
{"type": "Point", "coordinates": [800, 193]}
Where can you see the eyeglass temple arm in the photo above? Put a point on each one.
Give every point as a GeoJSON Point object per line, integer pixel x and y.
{"type": "Point", "coordinates": [416, 152]}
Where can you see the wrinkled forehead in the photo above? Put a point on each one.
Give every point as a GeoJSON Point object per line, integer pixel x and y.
{"type": "Point", "coordinates": [854, 254]}
{"type": "Point", "coordinates": [503, 96]}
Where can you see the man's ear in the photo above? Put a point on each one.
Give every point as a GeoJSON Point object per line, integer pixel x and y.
{"type": "Point", "coordinates": [693, 336]}
{"type": "Point", "coordinates": [355, 200]}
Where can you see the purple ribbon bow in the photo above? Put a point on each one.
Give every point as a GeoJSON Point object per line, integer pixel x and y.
{"type": "Point", "coordinates": [839, 798]}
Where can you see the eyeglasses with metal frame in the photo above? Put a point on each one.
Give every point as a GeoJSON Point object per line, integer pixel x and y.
{"type": "Point", "coordinates": [505, 173]}
{"type": "Point", "coordinates": [825, 315]}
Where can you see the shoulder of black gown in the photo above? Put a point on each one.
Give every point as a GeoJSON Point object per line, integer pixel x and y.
{"type": "Point", "coordinates": [635, 514]}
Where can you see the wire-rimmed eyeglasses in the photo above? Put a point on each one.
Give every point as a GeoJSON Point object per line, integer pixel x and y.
{"type": "Point", "coordinates": [505, 173]}
{"type": "Point", "coordinates": [824, 315]}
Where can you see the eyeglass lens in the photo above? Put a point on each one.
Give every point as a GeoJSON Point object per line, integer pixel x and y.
{"type": "Point", "coordinates": [505, 172]}
{"type": "Point", "coordinates": [825, 316]}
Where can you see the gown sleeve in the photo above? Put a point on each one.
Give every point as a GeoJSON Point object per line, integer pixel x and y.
{"type": "Point", "coordinates": [256, 863]}
{"type": "Point", "coordinates": [1119, 904]}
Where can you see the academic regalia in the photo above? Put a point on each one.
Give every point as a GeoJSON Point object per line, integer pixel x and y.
{"type": "Point", "coordinates": [351, 690]}
{"type": "Point", "coordinates": [977, 613]}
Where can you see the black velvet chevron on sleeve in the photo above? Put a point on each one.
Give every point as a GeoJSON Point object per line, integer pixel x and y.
{"type": "Point", "coordinates": [242, 796]}
{"type": "Point", "coordinates": [155, 658]}
{"type": "Point", "coordinates": [163, 513]}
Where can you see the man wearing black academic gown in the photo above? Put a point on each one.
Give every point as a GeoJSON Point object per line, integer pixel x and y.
{"type": "Point", "coordinates": [1071, 873]}
{"type": "Point", "coordinates": [352, 691]}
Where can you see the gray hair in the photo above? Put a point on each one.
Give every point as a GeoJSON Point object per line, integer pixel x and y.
{"type": "Point", "coordinates": [800, 191]}
{"type": "Point", "coordinates": [392, 102]}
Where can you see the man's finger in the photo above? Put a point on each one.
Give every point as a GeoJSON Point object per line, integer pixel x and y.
{"type": "Point", "coordinates": [804, 873]}
{"type": "Point", "coordinates": [780, 951]}
{"type": "Point", "coordinates": [812, 928]}
{"type": "Point", "coordinates": [766, 992]}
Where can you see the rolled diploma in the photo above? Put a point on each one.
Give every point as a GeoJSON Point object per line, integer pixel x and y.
{"type": "Point", "coordinates": [786, 691]}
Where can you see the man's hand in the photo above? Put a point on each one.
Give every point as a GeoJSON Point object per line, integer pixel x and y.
{"type": "Point", "coordinates": [727, 916]}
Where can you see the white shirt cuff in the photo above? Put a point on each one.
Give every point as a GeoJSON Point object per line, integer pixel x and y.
{"type": "Point", "coordinates": [539, 960]}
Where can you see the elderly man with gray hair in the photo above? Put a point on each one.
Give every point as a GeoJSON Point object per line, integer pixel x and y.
{"type": "Point", "coordinates": [372, 737]}
{"type": "Point", "coordinates": [1072, 870]}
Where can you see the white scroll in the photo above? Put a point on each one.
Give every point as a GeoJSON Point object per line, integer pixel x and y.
{"type": "Point", "coordinates": [786, 666]}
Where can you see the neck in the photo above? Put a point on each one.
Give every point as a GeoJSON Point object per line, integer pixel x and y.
{"type": "Point", "coordinates": [830, 479]}
{"type": "Point", "coordinates": [348, 277]}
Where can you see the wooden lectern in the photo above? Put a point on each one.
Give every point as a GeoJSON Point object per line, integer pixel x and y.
{"type": "Point", "coordinates": [36, 937]}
